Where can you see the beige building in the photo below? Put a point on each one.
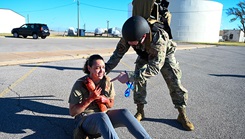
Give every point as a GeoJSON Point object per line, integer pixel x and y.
{"type": "Point", "coordinates": [233, 35]}
{"type": "Point", "coordinates": [9, 20]}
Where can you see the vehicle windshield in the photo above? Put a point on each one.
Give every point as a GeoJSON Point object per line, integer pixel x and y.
{"type": "Point", "coordinates": [45, 27]}
{"type": "Point", "coordinates": [24, 26]}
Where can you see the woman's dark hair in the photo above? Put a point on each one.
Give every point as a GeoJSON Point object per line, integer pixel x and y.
{"type": "Point", "coordinates": [89, 62]}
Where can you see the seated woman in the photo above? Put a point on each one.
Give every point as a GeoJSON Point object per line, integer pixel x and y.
{"type": "Point", "coordinates": [90, 100]}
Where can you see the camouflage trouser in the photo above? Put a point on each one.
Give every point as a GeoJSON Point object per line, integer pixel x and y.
{"type": "Point", "coordinates": [172, 74]}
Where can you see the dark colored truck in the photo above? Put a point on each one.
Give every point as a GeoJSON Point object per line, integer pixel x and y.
{"type": "Point", "coordinates": [32, 29]}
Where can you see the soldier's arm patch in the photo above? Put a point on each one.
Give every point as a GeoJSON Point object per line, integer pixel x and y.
{"type": "Point", "coordinates": [122, 46]}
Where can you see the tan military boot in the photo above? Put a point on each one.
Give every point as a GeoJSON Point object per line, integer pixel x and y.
{"type": "Point", "coordinates": [182, 118]}
{"type": "Point", "coordinates": [140, 112]}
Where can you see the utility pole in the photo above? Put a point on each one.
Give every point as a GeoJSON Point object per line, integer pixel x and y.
{"type": "Point", "coordinates": [107, 27]}
{"type": "Point", "coordinates": [27, 18]}
{"type": "Point", "coordinates": [78, 3]}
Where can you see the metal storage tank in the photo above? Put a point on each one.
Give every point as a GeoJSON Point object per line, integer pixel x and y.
{"type": "Point", "coordinates": [9, 20]}
{"type": "Point", "coordinates": [195, 20]}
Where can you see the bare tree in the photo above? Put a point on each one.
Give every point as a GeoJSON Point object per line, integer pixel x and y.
{"type": "Point", "coordinates": [238, 13]}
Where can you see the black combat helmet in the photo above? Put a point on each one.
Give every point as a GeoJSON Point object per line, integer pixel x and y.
{"type": "Point", "coordinates": [134, 28]}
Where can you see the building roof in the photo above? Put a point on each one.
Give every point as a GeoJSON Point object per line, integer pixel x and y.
{"type": "Point", "coordinates": [6, 9]}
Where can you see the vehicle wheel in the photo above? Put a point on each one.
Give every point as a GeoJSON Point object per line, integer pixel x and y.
{"type": "Point", "coordinates": [24, 36]}
{"type": "Point", "coordinates": [34, 36]}
{"type": "Point", "coordinates": [16, 35]}
{"type": "Point", "coordinates": [43, 37]}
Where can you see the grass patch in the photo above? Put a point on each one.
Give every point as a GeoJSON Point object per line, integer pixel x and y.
{"type": "Point", "coordinates": [219, 43]}
{"type": "Point", "coordinates": [61, 35]}
{"type": "Point", "coordinates": [6, 34]}
{"type": "Point", "coordinates": [222, 43]}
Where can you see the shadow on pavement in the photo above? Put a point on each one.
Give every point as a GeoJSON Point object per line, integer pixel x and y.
{"type": "Point", "coordinates": [171, 122]}
{"type": "Point", "coordinates": [228, 75]}
{"type": "Point", "coordinates": [9, 36]}
{"type": "Point", "coordinates": [21, 37]}
{"type": "Point", "coordinates": [53, 67]}
{"type": "Point", "coordinates": [25, 116]}
{"type": "Point", "coordinates": [64, 68]}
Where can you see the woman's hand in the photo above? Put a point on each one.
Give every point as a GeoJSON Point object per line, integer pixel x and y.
{"type": "Point", "coordinates": [102, 99]}
{"type": "Point", "coordinates": [96, 93]}
{"type": "Point", "coordinates": [75, 109]}
{"type": "Point", "coordinates": [107, 101]}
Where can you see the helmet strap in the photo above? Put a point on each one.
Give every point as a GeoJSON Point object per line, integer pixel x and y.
{"type": "Point", "coordinates": [142, 39]}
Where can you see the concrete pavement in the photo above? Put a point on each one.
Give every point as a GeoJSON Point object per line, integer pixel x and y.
{"type": "Point", "coordinates": [16, 58]}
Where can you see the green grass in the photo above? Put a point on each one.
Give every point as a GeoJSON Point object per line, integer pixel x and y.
{"type": "Point", "coordinates": [219, 43]}
{"type": "Point", "coordinates": [223, 43]}
{"type": "Point", "coordinates": [9, 35]}
{"type": "Point", "coordinates": [6, 34]}
{"type": "Point", "coordinates": [61, 35]}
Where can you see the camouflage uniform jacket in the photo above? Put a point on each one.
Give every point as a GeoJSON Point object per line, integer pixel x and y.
{"type": "Point", "coordinates": [153, 52]}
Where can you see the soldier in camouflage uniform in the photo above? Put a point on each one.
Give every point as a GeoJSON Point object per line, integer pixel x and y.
{"type": "Point", "coordinates": [155, 54]}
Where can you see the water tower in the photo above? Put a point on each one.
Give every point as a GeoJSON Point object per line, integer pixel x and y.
{"type": "Point", "coordinates": [195, 20]}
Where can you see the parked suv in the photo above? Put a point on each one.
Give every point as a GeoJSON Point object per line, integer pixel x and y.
{"type": "Point", "coordinates": [32, 29]}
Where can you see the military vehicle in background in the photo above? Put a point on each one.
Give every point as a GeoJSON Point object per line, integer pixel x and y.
{"type": "Point", "coordinates": [99, 31]}
{"type": "Point", "coordinates": [115, 32]}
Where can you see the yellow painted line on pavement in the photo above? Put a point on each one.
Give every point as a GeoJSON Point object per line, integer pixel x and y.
{"type": "Point", "coordinates": [131, 68]}
{"type": "Point", "coordinates": [11, 87]}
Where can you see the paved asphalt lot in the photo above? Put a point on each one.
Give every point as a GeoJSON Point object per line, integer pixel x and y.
{"type": "Point", "coordinates": [34, 96]}
{"type": "Point", "coordinates": [22, 51]}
